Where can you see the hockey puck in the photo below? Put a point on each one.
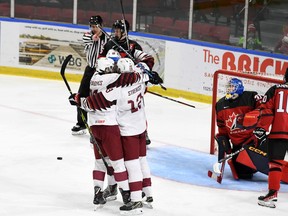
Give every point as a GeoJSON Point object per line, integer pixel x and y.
{"type": "Point", "coordinates": [59, 158]}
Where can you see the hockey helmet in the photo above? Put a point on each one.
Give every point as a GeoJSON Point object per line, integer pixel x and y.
{"type": "Point", "coordinates": [234, 88]}
{"type": "Point", "coordinates": [119, 24]}
{"type": "Point", "coordinates": [96, 20]}
{"type": "Point", "coordinates": [114, 55]}
{"type": "Point", "coordinates": [125, 65]}
{"type": "Point", "coordinates": [105, 65]}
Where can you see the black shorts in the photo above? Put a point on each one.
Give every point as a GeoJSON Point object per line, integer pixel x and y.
{"type": "Point", "coordinates": [277, 149]}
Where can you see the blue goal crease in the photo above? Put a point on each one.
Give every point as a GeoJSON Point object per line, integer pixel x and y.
{"type": "Point", "coordinates": [191, 167]}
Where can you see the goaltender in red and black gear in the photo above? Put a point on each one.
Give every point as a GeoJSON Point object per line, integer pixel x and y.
{"type": "Point", "coordinates": [237, 114]}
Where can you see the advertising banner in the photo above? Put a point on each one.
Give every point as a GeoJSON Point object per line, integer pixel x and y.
{"type": "Point", "coordinates": [47, 46]}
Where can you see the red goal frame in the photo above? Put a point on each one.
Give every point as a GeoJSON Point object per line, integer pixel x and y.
{"type": "Point", "coordinates": [214, 96]}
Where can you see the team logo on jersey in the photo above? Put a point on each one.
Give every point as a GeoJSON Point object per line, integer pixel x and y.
{"type": "Point", "coordinates": [96, 83]}
{"type": "Point", "coordinates": [231, 122]}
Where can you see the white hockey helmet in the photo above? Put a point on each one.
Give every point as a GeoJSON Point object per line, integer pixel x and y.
{"type": "Point", "coordinates": [125, 65]}
{"type": "Point", "coordinates": [105, 65]}
{"type": "Point", "coordinates": [113, 54]}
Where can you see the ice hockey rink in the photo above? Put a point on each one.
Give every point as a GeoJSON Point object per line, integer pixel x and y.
{"type": "Point", "coordinates": [36, 121]}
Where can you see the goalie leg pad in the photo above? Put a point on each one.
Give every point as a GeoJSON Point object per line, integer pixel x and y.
{"type": "Point", "coordinates": [233, 170]}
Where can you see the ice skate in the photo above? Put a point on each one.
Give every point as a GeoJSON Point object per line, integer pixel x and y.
{"type": "Point", "coordinates": [99, 199]}
{"type": "Point", "coordinates": [125, 195]}
{"type": "Point", "coordinates": [269, 199]}
{"type": "Point", "coordinates": [78, 130]}
{"type": "Point", "coordinates": [110, 193]}
{"type": "Point", "coordinates": [147, 201]}
{"type": "Point", "coordinates": [132, 208]}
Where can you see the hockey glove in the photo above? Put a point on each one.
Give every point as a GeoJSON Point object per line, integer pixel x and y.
{"type": "Point", "coordinates": [154, 78]}
{"type": "Point", "coordinates": [259, 133]}
{"type": "Point", "coordinates": [74, 99]}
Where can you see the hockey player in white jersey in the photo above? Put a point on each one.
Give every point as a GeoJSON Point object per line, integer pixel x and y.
{"type": "Point", "coordinates": [131, 119]}
{"type": "Point", "coordinates": [102, 119]}
{"type": "Point", "coordinates": [101, 107]}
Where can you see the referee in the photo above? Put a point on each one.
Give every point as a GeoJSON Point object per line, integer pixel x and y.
{"type": "Point", "coordinates": [94, 41]}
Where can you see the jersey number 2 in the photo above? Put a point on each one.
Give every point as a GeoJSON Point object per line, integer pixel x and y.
{"type": "Point", "coordinates": [138, 102]}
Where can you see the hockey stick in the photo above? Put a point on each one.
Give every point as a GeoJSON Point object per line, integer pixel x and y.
{"type": "Point", "coordinates": [125, 51]}
{"type": "Point", "coordinates": [218, 177]}
{"type": "Point", "coordinates": [171, 99]}
{"type": "Point", "coordinates": [218, 174]}
{"type": "Point", "coordinates": [62, 71]}
{"type": "Point", "coordinates": [127, 40]}
{"type": "Point", "coordinates": [229, 156]}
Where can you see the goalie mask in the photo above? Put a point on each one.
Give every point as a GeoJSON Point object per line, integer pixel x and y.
{"type": "Point", "coordinates": [125, 65]}
{"type": "Point", "coordinates": [234, 88]}
{"type": "Point", "coordinates": [114, 55]}
{"type": "Point", "coordinates": [105, 66]}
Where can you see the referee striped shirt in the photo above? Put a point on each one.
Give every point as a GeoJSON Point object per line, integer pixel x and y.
{"type": "Point", "coordinates": [93, 48]}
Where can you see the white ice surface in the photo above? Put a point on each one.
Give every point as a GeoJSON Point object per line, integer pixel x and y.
{"type": "Point", "coordinates": [36, 119]}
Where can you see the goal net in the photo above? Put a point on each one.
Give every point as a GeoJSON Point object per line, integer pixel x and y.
{"type": "Point", "coordinates": [259, 82]}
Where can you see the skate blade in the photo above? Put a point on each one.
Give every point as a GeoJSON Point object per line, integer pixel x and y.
{"type": "Point", "coordinates": [97, 207]}
{"type": "Point", "coordinates": [148, 205]}
{"type": "Point", "coordinates": [137, 211]}
{"type": "Point", "coordinates": [267, 204]}
{"type": "Point", "coordinates": [81, 132]}
{"type": "Point", "coordinates": [111, 198]}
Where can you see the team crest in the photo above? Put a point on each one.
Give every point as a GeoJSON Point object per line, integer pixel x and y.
{"type": "Point", "coordinates": [232, 122]}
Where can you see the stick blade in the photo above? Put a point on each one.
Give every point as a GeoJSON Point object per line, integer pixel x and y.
{"type": "Point", "coordinates": [64, 65]}
{"type": "Point", "coordinates": [213, 175]}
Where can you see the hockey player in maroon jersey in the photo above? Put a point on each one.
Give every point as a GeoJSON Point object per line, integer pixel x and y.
{"type": "Point", "coordinates": [274, 109]}
{"type": "Point", "coordinates": [235, 103]}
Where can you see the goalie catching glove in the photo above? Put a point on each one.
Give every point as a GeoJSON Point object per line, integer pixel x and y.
{"type": "Point", "coordinates": [74, 99]}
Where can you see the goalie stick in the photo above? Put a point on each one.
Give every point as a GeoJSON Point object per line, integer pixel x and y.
{"type": "Point", "coordinates": [62, 72]}
{"type": "Point", "coordinates": [217, 177]}
{"type": "Point", "coordinates": [218, 174]}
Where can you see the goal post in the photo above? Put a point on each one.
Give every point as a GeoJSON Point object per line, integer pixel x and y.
{"type": "Point", "coordinates": [259, 82]}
